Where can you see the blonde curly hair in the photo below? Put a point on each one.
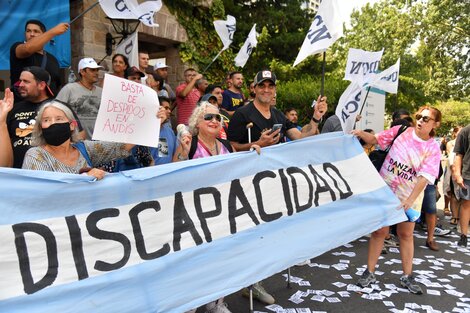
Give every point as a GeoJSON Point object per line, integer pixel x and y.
{"type": "Point", "coordinates": [197, 114]}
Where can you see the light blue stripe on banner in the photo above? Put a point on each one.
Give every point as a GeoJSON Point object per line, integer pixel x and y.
{"type": "Point", "coordinates": [79, 195]}
{"type": "Point", "coordinates": [180, 281]}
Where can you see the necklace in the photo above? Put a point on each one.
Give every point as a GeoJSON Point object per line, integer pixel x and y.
{"type": "Point", "coordinates": [211, 151]}
{"type": "Point", "coordinates": [80, 82]}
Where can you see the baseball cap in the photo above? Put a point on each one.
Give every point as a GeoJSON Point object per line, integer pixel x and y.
{"type": "Point", "coordinates": [208, 96]}
{"type": "Point", "coordinates": [132, 71]}
{"type": "Point", "coordinates": [160, 65]}
{"type": "Point", "coordinates": [264, 75]}
{"type": "Point", "coordinates": [87, 63]}
{"type": "Point", "coordinates": [41, 75]}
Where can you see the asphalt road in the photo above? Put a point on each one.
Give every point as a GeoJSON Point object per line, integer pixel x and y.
{"type": "Point", "coordinates": [330, 279]}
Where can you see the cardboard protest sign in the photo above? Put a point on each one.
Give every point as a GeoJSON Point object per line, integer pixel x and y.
{"type": "Point", "coordinates": [127, 113]}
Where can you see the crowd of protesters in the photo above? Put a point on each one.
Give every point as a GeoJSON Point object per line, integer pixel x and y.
{"type": "Point", "coordinates": [38, 132]}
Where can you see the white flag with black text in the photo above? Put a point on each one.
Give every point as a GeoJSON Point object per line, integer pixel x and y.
{"type": "Point", "coordinates": [225, 30]}
{"type": "Point", "coordinates": [362, 65]}
{"type": "Point", "coordinates": [349, 105]}
{"type": "Point", "coordinates": [130, 48]}
{"type": "Point", "coordinates": [247, 48]}
{"type": "Point", "coordinates": [131, 9]}
{"type": "Point", "coordinates": [326, 28]}
{"type": "Point", "coordinates": [388, 79]}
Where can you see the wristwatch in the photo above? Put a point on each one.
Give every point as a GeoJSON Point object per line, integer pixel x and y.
{"type": "Point", "coordinates": [317, 121]}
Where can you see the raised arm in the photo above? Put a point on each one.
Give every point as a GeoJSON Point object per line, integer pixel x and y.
{"type": "Point", "coordinates": [37, 43]}
{"type": "Point", "coordinates": [6, 150]}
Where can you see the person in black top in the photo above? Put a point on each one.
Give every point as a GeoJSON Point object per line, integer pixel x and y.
{"type": "Point", "coordinates": [258, 117]}
{"type": "Point", "coordinates": [35, 91]}
{"type": "Point", "coordinates": [31, 53]}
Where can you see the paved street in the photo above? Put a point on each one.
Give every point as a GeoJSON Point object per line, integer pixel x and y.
{"type": "Point", "coordinates": [328, 283]}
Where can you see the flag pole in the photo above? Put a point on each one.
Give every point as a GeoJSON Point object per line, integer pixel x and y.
{"type": "Point", "coordinates": [365, 98]}
{"type": "Point", "coordinates": [81, 14]}
{"type": "Point", "coordinates": [213, 60]}
{"type": "Point", "coordinates": [322, 88]}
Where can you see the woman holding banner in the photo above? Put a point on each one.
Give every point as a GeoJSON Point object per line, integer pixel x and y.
{"type": "Point", "coordinates": [202, 141]}
{"type": "Point", "coordinates": [58, 150]}
{"type": "Point", "coordinates": [410, 165]}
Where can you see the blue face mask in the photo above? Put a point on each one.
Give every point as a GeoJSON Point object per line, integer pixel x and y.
{"type": "Point", "coordinates": [56, 134]}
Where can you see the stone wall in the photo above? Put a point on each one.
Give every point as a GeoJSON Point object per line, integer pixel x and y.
{"type": "Point", "coordinates": [88, 36]}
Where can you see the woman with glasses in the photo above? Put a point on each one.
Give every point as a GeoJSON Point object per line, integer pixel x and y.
{"type": "Point", "coordinates": [411, 164]}
{"type": "Point", "coordinates": [202, 141]}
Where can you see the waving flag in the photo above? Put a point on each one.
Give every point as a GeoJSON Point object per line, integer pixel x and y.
{"type": "Point", "coordinates": [326, 28]}
{"type": "Point", "coordinates": [349, 105]}
{"type": "Point", "coordinates": [131, 9]}
{"type": "Point", "coordinates": [247, 48]}
{"type": "Point", "coordinates": [362, 65]}
{"type": "Point", "coordinates": [388, 79]}
{"type": "Point", "coordinates": [130, 48]}
{"type": "Point", "coordinates": [225, 30]}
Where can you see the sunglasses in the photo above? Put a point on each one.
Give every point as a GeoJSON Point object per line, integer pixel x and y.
{"type": "Point", "coordinates": [425, 118]}
{"type": "Point", "coordinates": [210, 116]}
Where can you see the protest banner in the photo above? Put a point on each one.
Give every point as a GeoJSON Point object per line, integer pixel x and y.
{"type": "Point", "coordinates": [128, 113]}
{"type": "Point", "coordinates": [245, 51]}
{"type": "Point", "coordinates": [326, 28]}
{"type": "Point", "coordinates": [362, 65]}
{"type": "Point", "coordinates": [172, 237]}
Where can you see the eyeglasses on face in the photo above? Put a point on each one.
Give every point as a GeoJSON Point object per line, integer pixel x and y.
{"type": "Point", "coordinates": [425, 118]}
{"type": "Point", "coordinates": [210, 116]}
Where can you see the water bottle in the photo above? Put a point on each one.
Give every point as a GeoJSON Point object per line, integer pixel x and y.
{"type": "Point", "coordinates": [413, 214]}
{"type": "Point", "coordinates": [72, 78]}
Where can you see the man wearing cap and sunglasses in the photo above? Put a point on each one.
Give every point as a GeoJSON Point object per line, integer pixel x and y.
{"type": "Point", "coordinates": [84, 96]}
{"type": "Point", "coordinates": [34, 89]}
{"type": "Point", "coordinates": [263, 117]}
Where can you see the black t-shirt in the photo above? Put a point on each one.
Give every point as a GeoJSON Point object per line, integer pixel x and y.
{"type": "Point", "coordinates": [238, 132]}
{"type": "Point", "coordinates": [462, 146]}
{"type": "Point", "coordinates": [20, 123]}
{"type": "Point", "coordinates": [17, 65]}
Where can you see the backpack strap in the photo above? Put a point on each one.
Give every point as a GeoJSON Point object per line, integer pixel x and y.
{"type": "Point", "coordinates": [193, 148]}
{"type": "Point", "coordinates": [81, 147]}
{"type": "Point", "coordinates": [194, 141]}
{"type": "Point", "coordinates": [226, 143]}
{"type": "Point", "coordinates": [400, 131]}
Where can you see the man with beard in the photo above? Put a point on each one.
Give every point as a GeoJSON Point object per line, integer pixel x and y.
{"type": "Point", "coordinates": [233, 96]}
{"type": "Point", "coordinates": [83, 96]}
{"type": "Point", "coordinates": [262, 117]}
{"type": "Point", "coordinates": [34, 89]}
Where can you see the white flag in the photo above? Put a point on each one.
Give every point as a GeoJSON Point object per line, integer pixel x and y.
{"type": "Point", "coordinates": [225, 30]}
{"type": "Point", "coordinates": [130, 48]}
{"type": "Point", "coordinates": [131, 9]}
{"type": "Point", "coordinates": [326, 28]}
{"type": "Point", "coordinates": [362, 65]}
{"type": "Point", "coordinates": [247, 48]}
{"type": "Point", "coordinates": [388, 79]}
{"type": "Point", "coordinates": [349, 105]}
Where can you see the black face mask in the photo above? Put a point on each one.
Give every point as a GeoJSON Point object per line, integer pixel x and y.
{"type": "Point", "coordinates": [56, 134]}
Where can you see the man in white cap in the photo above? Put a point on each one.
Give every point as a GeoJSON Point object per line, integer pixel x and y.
{"type": "Point", "coordinates": [162, 69]}
{"type": "Point", "coordinates": [84, 96]}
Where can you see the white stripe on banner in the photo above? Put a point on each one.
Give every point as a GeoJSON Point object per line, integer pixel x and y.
{"type": "Point", "coordinates": [154, 241]}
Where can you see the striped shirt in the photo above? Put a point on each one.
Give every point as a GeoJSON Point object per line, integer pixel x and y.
{"type": "Point", "coordinates": [37, 158]}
